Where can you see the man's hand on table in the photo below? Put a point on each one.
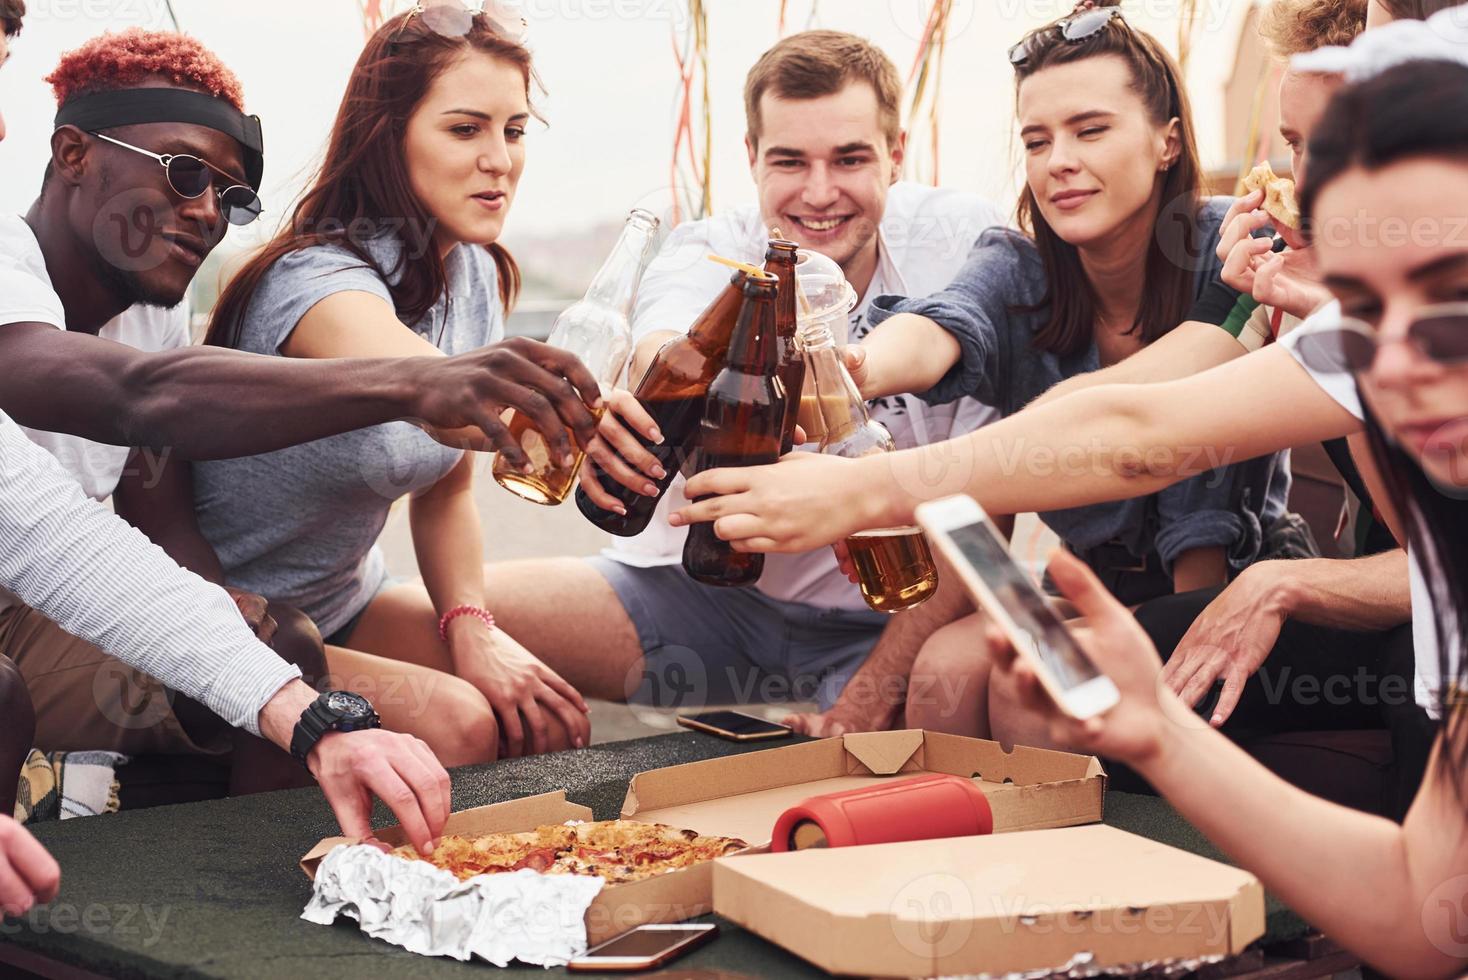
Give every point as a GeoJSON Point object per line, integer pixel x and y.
{"type": "Point", "coordinates": [352, 767]}
{"type": "Point", "coordinates": [28, 874]}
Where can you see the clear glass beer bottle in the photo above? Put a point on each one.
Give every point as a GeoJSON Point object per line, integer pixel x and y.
{"type": "Point", "coordinates": [894, 565]}
{"type": "Point", "coordinates": [597, 329]}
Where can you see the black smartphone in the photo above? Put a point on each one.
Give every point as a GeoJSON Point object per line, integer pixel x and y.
{"type": "Point", "coordinates": [734, 725]}
{"type": "Point", "coordinates": [644, 948]}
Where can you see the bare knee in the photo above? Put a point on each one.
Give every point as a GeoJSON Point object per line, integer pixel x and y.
{"type": "Point", "coordinates": [298, 641]}
{"type": "Point", "coordinates": [458, 725]}
{"type": "Point", "coordinates": [947, 689]}
{"type": "Point", "coordinates": [1011, 721]}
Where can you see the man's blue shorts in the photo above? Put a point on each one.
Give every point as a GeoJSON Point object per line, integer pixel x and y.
{"type": "Point", "coordinates": [708, 645]}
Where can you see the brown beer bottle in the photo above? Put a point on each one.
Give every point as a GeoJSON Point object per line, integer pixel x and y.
{"type": "Point", "coordinates": [894, 565]}
{"type": "Point", "coordinates": [597, 330]}
{"type": "Point", "coordinates": [672, 390]}
{"type": "Point", "coordinates": [743, 417]}
{"type": "Point", "coordinates": [780, 260]}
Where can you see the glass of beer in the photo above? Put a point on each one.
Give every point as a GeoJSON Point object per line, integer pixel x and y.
{"type": "Point", "coordinates": [894, 567]}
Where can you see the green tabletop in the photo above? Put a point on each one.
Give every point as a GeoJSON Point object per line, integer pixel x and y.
{"type": "Point", "coordinates": [213, 890]}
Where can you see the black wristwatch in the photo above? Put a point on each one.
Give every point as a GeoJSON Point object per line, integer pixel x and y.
{"type": "Point", "coordinates": [334, 711]}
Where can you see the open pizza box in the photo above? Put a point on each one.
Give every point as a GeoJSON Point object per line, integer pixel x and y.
{"type": "Point", "coordinates": [742, 796]}
{"type": "Point", "coordinates": [1084, 898]}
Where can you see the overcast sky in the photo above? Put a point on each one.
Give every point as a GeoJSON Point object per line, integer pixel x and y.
{"type": "Point", "coordinates": [611, 78]}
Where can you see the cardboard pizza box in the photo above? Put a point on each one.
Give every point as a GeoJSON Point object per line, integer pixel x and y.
{"type": "Point", "coordinates": [1090, 896]}
{"type": "Point", "coordinates": [671, 897]}
{"type": "Point", "coordinates": [742, 796]}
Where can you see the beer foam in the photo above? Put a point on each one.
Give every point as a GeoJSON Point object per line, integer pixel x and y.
{"type": "Point", "coordinates": [888, 532]}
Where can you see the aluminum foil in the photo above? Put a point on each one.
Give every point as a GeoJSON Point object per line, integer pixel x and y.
{"type": "Point", "coordinates": [1083, 965]}
{"type": "Point", "coordinates": [521, 915]}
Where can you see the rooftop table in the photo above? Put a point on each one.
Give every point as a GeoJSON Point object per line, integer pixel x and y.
{"type": "Point", "coordinates": [213, 889]}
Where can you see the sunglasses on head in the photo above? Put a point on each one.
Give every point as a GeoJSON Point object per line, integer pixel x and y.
{"type": "Point", "coordinates": [1073, 30]}
{"type": "Point", "coordinates": [455, 18]}
{"type": "Point", "coordinates": [1438, 333]}
{"type": "Point", "coordinates": [191, 177]}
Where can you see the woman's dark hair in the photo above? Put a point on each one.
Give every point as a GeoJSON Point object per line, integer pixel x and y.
{"type": "Point", "coordinates": [1418, 109]}
{"type": "Point", "coordinates": [1415, 109]}
{"type": "Point", "coordinates": [12, 14]}
{"type": "Point", "coordinates": [1437, 527]}
{"type": "Point", "coordinates": [363, 180]}
{"type": "Point", "coordinates": [1169, 290]}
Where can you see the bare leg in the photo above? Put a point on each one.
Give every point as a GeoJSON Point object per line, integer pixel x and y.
{"type": "Point", "coordinates": [560, 609]}
{"type": "Point", "coordinates": [1011, 722]}
{"type": "Point", "coordinates": [446, 712]}
{"type": "Point", "coordinates": [949, 687]}
{"type": "Point", "coordinates": [17, 732]}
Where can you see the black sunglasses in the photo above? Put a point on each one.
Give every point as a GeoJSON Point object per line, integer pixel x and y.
{"type": "Point", "coordinates": [1073, 30]}
{"type": "Point", "coordinates": [191, 177]}
{"type": "Point", "coordinates": [1438, 333]}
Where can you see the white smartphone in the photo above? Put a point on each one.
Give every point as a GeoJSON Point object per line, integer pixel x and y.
{"type": "Point", "coordinates": [960, 529]}
{"type": "Point", "coordinates": [644, 948]}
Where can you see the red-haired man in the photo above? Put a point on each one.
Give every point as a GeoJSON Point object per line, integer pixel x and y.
{"type": "Point", "coordinates": [151, 159]}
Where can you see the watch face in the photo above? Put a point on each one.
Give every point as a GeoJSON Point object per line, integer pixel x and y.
{"type": "Point", "coordinates": [348, 705]}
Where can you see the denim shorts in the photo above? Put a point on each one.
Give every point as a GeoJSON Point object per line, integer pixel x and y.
{"type": "Point", "coordinates": [703, 644]}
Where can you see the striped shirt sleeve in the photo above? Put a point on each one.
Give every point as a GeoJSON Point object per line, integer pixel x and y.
{"type": "Point", "coordinates": [100, 579]}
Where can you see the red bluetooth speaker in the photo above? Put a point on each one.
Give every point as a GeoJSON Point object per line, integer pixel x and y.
{"type": "Point", "coordinates": [913, 809]}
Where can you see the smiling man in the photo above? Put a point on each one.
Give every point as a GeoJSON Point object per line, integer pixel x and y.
{"type": "Point", "coordinates": [152, 158]}
{"type": "Point", "coordinates": [825, 147]}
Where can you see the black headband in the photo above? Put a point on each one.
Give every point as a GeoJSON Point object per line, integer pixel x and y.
{"type": "Point", "coordinates": [129, 107]}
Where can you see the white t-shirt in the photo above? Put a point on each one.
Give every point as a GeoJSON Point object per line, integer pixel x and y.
{"type": "Point", "coordinates": [1341, 386]}
{"type": "Point", "coordinates": [26, 296]}
{"type": "Point", "coordinates": [925, 235]}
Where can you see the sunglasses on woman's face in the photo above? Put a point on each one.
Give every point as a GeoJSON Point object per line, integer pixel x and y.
{"type": "Point", "coordinates": [1076, 29]}
{"type": "Point", "coordinates": [1438, 333]}
{"type": "Point", "coordinates": [191, 177]}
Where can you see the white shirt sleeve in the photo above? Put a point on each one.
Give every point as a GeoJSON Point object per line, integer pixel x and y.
{"type": "Point", "coordinates": [1338, 385]}
{"type": "Point", "coordinates": [102, 580]}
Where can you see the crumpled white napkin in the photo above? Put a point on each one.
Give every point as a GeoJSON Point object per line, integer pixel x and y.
{"type": "Point", "coordinates": [522, 915]}
{"type": "Point", "coordinates": [1442, 37]}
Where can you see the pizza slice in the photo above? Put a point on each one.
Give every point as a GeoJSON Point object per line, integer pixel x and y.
{"type": "Point", "coordinates": [616, 850]}
{"type": "Point", "coordinates": [1279, 194]}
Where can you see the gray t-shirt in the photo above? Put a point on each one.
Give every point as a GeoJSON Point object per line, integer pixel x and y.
{"type": "Point", "coordinates": [995, 306]}
{"type": "Point", "coordinates": [300, 525]}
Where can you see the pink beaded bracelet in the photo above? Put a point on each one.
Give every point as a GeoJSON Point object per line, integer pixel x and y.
{"type": "Point", "coordinates": [456, 612]}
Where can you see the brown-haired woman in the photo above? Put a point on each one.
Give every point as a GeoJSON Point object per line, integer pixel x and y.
{"type": "Point", "coordinates": [1119, 250]}
{"type": "Point", "coordinates": [392, 252]}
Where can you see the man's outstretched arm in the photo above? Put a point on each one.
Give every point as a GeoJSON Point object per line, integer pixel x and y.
{"type": "Point", "coordinates": [100, 579]}
{"type": "Point", "coordinates": [213, 403]}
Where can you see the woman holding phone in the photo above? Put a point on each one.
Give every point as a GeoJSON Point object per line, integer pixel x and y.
{"type": "Point", "coordinates": [1392, 148]}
